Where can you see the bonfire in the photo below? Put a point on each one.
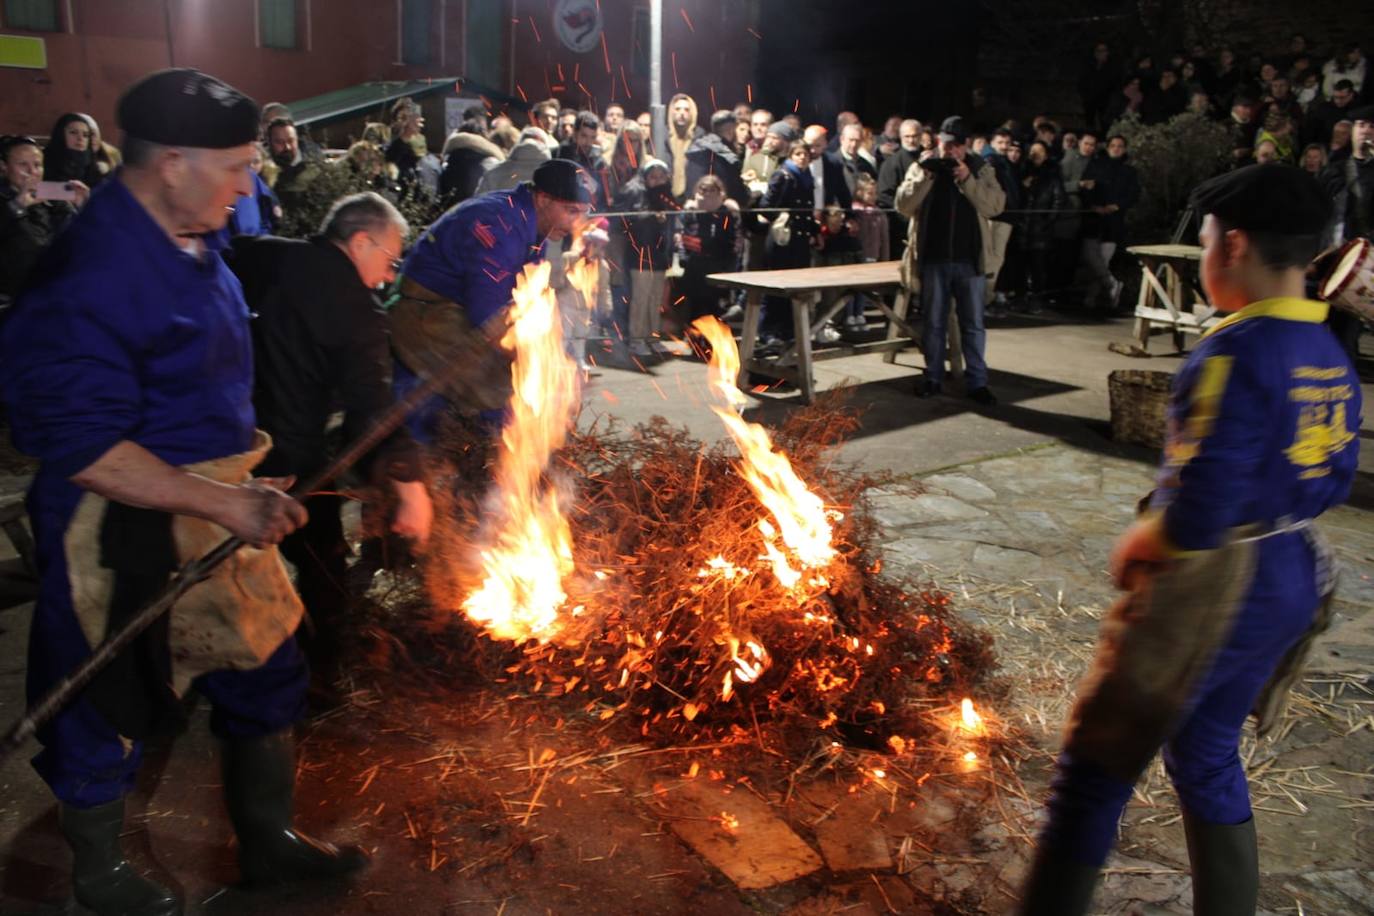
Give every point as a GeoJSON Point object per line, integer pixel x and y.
{"type": "Point", "coordinates": [695, 591]}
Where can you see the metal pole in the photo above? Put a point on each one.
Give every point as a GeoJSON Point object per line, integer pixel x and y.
{"type": "Point", "coordinates": [656, 110]}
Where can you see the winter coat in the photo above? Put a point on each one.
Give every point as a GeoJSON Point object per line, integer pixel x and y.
{"type": "Point", "coordinates": [714, 233]}
{"type": "Point", "coordinates": [1114, 182]}
{"type": "Point", "coordinates": [24, 233]}
{"type": "Point", "coordinates": [1070, 173]}
{"type": "Point", "coordinates": [1045, 192]}
{"type": "Point", "coordinates": [524, 158]}
{"type": "Point", "coordinates": [791, 187]}
{"type": "Point", "coordinates": [467, 157]}
{"type": "Point", "coordinates": [647, 239]}
{"type": "Point", "coordinates": [1009, 177]}
{"type": "Point", "coordinates": [981, 189]}
{"type": "Point", "coordinates": [709, 155]}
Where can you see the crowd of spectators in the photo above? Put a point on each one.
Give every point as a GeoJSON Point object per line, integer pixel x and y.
{"type": "Point", "coordinates": [742, 189]}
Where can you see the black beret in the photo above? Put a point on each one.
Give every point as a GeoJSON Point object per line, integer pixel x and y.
{"type": "Point", "coordinates": [565, 180]}
{"type": "Point", "coordinates": [1272, 198]}
{"type": "Point", "coordinates": [1365, 113]}
{"type": "Point", "coordinates": [182, 107]}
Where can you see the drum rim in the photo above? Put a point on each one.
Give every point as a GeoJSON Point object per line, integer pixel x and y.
{"type": "Point", "coordinates": [1349, 277]}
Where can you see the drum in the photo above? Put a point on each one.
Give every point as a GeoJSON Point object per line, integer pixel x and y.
{"type": "Point", "coordinates": [1350, 284]}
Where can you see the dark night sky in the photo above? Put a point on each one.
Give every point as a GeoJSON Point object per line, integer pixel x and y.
{"type": "Point", "coordinates": [874, 57]}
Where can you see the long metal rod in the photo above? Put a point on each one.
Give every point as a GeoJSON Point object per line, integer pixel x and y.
{"type": "Point", "coordinates": [200, 569]}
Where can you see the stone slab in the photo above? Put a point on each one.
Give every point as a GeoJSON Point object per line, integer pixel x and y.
{"type": "Point", "coordinates": [895, 511]}
{"type": "Point", "coordinates": [962, 486]}
{"type": "Point", "coordinates": [851, 841]}
{"type": "Point", "coordinates": [762, 851]}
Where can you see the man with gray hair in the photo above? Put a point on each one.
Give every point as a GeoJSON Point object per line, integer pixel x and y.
{"type": "Point", "coordinates": [320, 339]}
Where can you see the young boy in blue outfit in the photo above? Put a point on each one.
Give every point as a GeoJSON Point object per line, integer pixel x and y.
{"type": "Point", "coordinates": [1227, 578]}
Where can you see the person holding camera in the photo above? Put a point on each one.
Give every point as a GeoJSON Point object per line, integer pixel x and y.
{"type": "Point", "coordinates": [949, 198]}
{"type": "Point", "coordinates": [32, 211]}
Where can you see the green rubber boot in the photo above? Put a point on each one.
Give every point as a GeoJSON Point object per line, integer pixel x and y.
{"type": "Point", "coordinates": [259, 787]}
{"type": "Point", "coordinates": [1225, 864]}
{"type": "Point", "coordinates": [1057, 886]}
{"type": "Point", "coordinates": [101, 879]}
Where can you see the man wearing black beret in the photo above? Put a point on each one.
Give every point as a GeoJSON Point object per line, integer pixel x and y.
{"type": "Point", "coordinates": [126, 368]}
{"type": "Point", "coordinates": [1227, 581]}
{"type": "Point", "coordinates": [459, 278]}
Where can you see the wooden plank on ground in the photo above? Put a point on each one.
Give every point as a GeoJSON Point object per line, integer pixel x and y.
{"type": "Point", "coordinates": [762, 851]}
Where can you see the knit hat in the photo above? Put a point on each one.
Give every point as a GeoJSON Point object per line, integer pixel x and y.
{"type": "Point", "coordinates": [952, 130]}
{"type": "Point", "coordinates": [786, 131]}
{"type": "Point", "coordinates": [652, 163]}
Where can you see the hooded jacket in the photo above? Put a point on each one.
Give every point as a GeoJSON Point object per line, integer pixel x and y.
{"type": "Point", "coordinates": [675, 153]}
{"type": "Point", "coordinates": [1114, 182]}
{"type": "Point", "coordinates": [980, 189]}
{"type": "Point", "coordinates": [467, 157]}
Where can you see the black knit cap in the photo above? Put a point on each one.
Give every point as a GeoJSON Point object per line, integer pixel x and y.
{"type": "Point", "coordinates": [1364, 113]}
{"type": "Point", "coordinates": [182, 107]}
{"type": "Point", "coordinates": [565, 180]}
{"type": "Point", "coordinates": [1271, 198]}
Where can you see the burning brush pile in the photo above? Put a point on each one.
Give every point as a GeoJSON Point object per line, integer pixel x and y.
{"type": "Point", "coordinates": [694, 590]}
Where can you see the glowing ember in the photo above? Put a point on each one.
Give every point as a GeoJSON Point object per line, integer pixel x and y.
{"type": "Point", "coordinates": [800, 514]}
{"type": "Point", "coordinates": [971, 720]}
{"type": "Point", "coordinates": [747, 669]}
{"type": "Point", "coordinates": [728, 822]}
{"type": "Point", "coordinates": [528, 548]}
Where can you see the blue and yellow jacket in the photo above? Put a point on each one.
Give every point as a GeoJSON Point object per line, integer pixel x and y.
{"type": "Point", "coordinates": [1264, 425]}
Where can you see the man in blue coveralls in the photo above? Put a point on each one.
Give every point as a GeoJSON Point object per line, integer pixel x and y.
{"type": "Point", "coordinates": [459, 277]}
{"type": "Point", "coordinates": [1228, 579]}
{"type": "Point", "coordinates": [127, 358]}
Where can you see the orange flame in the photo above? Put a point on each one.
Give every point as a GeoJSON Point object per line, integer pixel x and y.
{"type": "Point", "coordinates": [800, 514]}
{"type": "Point", "coordinates": [971, 720]}
{"type": "Point", "coordinates": [528, 546]}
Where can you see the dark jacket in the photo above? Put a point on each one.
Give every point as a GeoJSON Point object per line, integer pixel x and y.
{"type": "Point", "coordinates": [1009, 177]}
{"type": "Point", "coordinates": [319, 341]}
{"type": "Point", "coordinates": [1114, 182]}
{"type": "Point", "coordinates": [709, 236]}
{"type": "Point", "coordinates": [1045, 192]}
{"type": "Point", "coordinates": [710, 155]}
{"type": "Point", "coordinates": [24, 233]}
{"type": "Point", "coordinates": [791, 187]}
{"type": "Point", "coordinates": [469, 157]}
{"type": "Point", "coordinates": [648, 238]}
{"type": "Point", "coordinates": [836, 187]}
{"type": "Point", "coordinates": [891, 173]}
{"type": "Point", "coordinates": [1350, 182]}
{"type": "Point", "coordinates": [855, 167]}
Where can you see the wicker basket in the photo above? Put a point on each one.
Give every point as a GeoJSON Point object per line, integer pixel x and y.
{"type": "Point", "coordinates": [1139, 400]}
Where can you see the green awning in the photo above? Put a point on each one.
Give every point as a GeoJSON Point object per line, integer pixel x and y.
{"type": "Point", "coordinates": [350, 102]}
{"type": "Point", "coordinates": [343, 103]}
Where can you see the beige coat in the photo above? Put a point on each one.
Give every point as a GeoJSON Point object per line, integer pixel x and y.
{"type": "Point", "coordinates": [982, 190]}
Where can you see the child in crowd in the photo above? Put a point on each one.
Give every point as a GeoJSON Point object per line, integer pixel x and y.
{"type": "Point", "coordinates": [839, 244]}
{"type": "Point", "coordinates": [709, 244]}
{"type": "Point", "coordinates": [875, 240]}
{"type": "Point", "coordinates": [581, 307]}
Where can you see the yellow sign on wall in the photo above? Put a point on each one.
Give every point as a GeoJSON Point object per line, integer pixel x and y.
{"type": "Point", "coordinates": [23, 51]}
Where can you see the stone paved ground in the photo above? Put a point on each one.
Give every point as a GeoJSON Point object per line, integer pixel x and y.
{"type": "Point", "coordinates": [1012, 510]}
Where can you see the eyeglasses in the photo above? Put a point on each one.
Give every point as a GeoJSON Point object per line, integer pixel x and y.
{"type": "Point", "coordinates": [394, 257]}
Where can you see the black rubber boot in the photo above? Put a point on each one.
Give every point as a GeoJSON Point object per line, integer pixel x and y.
{"type": "Point", "coordinates": [1057, 886]}
{"type": "Point", "coordinates": [259, 787]}
{"type": "Point", "coordinates": [101, 879]}
{"type": "Point", "coordinates": [1225, 865]}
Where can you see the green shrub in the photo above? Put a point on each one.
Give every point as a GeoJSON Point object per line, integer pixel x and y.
{"type": "Point", "coordinates": [337, 180]}
{"type": "Point", "coordinates": [1172, 159]}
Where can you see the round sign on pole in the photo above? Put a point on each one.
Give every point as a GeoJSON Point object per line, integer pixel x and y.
{"type": "Point", "coordinates": [577, 24]}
